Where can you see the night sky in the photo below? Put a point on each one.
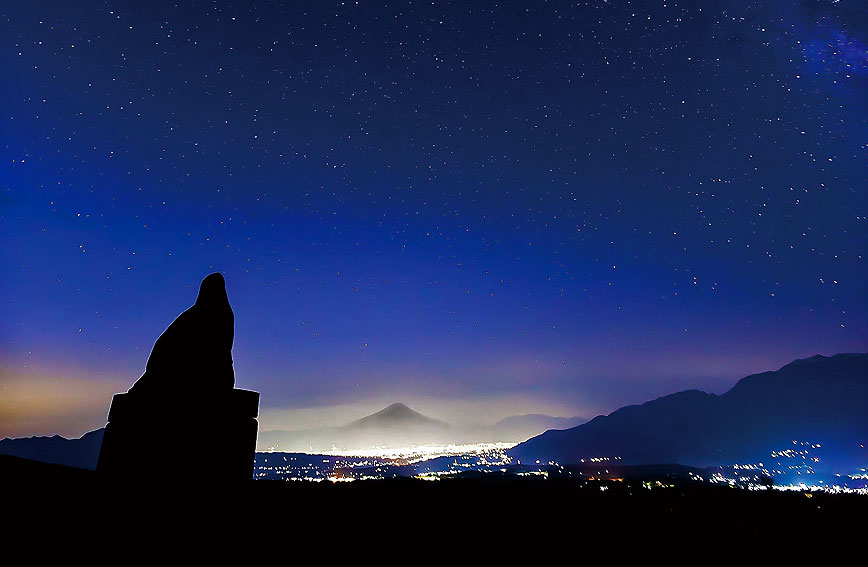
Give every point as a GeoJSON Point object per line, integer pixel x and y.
{"type": "Point", "coordinates": [478, 209]}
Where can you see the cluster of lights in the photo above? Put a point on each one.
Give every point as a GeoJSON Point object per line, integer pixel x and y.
{"type": "Point", "coordinates": [600, 459]}
{"type": "Point", "coordinates": [650, 485]}
{"type": "Point", "coordinates": [748, 467]}
{"type": "Point", "coordinates": [379, 463]}
{"type": "Point", "coordinates": [796, 460]}
{"type": "Point", "coordinates": [543, 474]}
{"type": "Point", "coordinates": [828, 489]}
{"type": "Point", "coordinates": [418, 453]}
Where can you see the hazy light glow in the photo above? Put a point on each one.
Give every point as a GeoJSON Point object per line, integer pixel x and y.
{"type": "Point", "coordinates": [418, 453]}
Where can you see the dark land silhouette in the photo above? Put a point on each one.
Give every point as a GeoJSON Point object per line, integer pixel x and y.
{"type": "Point", "coordinates": [504, 514]}
{"type": "Point", "coordinates": [188, 386]}
{"type": "Point", "coordinates": [82, 452]}
{"type": "Point", "coordinates": [818, 400]}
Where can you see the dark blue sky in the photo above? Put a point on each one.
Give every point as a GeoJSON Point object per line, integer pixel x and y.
{"type": "Point", "coordinates": [561, 208]}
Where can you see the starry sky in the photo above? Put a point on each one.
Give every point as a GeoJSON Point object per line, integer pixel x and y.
{"type": "Point", "coordinates": [477, 208]}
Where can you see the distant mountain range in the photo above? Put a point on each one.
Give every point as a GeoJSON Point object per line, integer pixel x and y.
{"type": "Point", "coordinates": [394, 426]}
{"type": "Point", "coordinates": [817, 405]}
{"type": "Point", "coordinates": [400, 426]}
{"type": "Point", "coordinates": [815, 402]}
{"type": "Point", "coordinates": [82, 452]}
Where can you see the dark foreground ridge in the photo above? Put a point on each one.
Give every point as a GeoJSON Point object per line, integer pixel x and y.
{"type": "Point", "coordinates": [188, 386]}
{"type": "Point", "coordinates": [503, 512]}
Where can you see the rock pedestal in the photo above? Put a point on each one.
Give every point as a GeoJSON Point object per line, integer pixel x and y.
{"type": "Point", "coordinates": [183, 419]}
{"type": "Point", "coordinates": [214, 439]}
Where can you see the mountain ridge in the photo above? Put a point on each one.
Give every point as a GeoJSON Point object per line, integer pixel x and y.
{"type": "Point", "coordinates": [811, 398]}
{"type": "Point", "coordinates": [396, 414]}
{"type": "Point", "coordinates": [816, 397]}
{"type": "Point", "coordinates": [81, 452]}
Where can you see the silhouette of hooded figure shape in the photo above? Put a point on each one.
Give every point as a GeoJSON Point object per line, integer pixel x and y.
{"type": "Point", "coordinates": [193, 356]}
{"type": "Point", "coordinates": [188, 385]}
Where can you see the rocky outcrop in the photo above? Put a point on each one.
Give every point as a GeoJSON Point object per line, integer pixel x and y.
{"type": "Point", "coordinates": [194, 355]}
{"type": "Point", "coordinates": [188, 386]}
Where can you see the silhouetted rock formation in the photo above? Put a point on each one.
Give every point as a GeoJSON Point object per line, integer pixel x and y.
{"type": "Point", "coordinates": [187, 386]}
{"type": "Point", "coordinates": [195, 352]}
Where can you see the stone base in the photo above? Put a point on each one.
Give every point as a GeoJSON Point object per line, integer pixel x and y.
{"type": "Point", "coordinates": [175, 438]}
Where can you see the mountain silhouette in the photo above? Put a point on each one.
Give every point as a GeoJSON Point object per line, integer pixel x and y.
{"type": "Point", "coordinates": [396, 415]}
{"type": "Point", "coordinates": [399, 426]}
{"type": "Point", "coordinates": [81, 452]}
{"type": "Point", "coordinates": [821, 400]}
{"type": "Point", "coordinates": [394, 426]}
{"type": "Point", "coordinates": [518, 428]}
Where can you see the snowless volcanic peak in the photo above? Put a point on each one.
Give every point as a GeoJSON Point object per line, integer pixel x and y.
{"type": "Point", "coordinates": [396, 414]}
